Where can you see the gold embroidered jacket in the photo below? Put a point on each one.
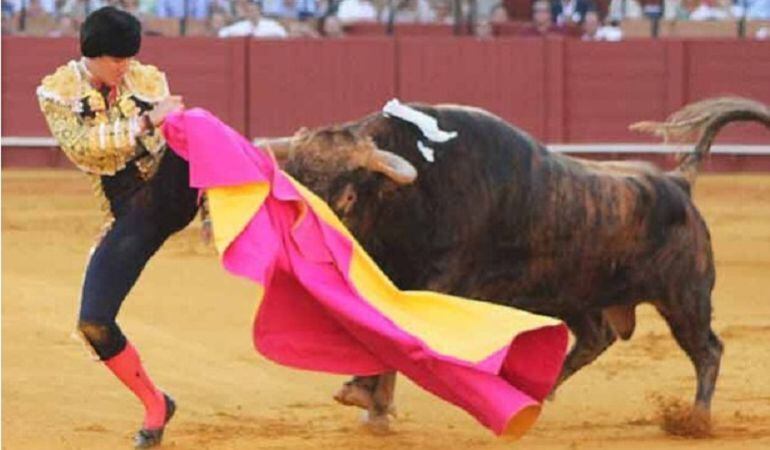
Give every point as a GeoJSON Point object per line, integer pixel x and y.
{"type": "Point", "coordinates": [102, 139]}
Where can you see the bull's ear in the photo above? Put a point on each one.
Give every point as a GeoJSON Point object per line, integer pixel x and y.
{"type": "Point", "coordinates": [393, 166]}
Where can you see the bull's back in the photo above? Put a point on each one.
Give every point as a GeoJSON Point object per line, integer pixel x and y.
{"type": "Point", "coordinates": [605, 233]}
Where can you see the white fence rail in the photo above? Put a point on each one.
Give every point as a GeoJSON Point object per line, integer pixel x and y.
{"type": "Point", "coordinates": [720, 149]}
{"type": "Point", "coordinates": [17, 141]}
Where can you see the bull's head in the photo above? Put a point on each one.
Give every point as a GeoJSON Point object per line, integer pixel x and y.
{"type": "Point", "coordinates": [345, 167]}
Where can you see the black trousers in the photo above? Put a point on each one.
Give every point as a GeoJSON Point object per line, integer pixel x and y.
{"type": "Point", "coordinates": [146, 213]}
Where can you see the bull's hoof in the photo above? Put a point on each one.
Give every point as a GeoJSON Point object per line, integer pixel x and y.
{"type": "Point", "coordinates": [679, 418]}
{"type": "Point", "coordinates": [382, 410]}
{"type": "Point", "coordinates": [376, 423]}
{"type": "Point", "coordinates": [353, 394]}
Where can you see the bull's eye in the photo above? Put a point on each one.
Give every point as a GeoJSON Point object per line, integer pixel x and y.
{"type": "Point", "coordinates": [346, 200]}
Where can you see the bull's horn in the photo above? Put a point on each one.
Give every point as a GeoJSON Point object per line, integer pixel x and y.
{"type": "Point", "coordinates": [393, 166]}
{"type": "Point", "coordinates": [279, 147]}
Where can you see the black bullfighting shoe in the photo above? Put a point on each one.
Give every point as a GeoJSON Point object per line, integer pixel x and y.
{"type": "Point", "coordinates": [146, 438]}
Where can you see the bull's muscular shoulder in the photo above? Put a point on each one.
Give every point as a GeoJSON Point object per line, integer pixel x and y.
{"type": "Point", "coordinates": [66, 85]}
{"type": "Point", "coordinates": [146, 82]}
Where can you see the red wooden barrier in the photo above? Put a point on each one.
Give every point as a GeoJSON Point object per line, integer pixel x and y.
{"type": "Point", "coordinates": [34, 157]}
{"type": "Point", "coordinates": [716, 68]}
{"type": "Point", "coordinates": [317, 82]}
{"type": "Point", "coordinates": [504, 76]}
{"type": "Point", "coordinates": [208, 72]}
{"type": "Point", "coordinates": [554, 113]}
{"type": "Point", "coordinates": [558, 90]}
{"type": "Point", "coordinates": [609, 86]}
{"type": "Point", "coordinates": [25, 62]}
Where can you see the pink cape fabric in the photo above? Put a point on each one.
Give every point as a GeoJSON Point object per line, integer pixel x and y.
{"type": "Point", "coordinates": [312, 317]}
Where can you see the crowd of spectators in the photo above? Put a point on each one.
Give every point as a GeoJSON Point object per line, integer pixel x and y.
{"type": "Point", "coordinates": [330, 18]}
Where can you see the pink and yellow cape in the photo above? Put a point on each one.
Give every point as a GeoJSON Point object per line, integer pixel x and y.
{"type": "Point", "coordinates": [328, 307]}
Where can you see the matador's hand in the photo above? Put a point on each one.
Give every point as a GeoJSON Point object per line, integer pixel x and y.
{"type": "Point", "coordinates": [168, 105]}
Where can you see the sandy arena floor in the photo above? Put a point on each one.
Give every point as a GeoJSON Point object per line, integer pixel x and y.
{"type": "Point", "coordinates": [192, 323]}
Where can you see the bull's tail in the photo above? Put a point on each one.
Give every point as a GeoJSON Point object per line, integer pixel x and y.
{"type": "Point", "coordinates": [703, 120]}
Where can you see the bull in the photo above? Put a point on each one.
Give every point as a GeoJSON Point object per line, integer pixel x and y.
{"type": "Point", "coordinates": [488, 212]}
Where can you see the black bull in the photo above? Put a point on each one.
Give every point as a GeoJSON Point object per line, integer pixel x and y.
{"type": "Point", "coordinates": [498, 217]}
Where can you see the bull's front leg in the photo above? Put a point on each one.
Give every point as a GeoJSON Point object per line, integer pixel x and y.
{"type": "Point", "coordinates": [593, 335]}
{"type": "Point", "coordinates": [374, 394]}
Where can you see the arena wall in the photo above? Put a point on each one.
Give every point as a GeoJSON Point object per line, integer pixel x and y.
{"type": "Point", "coordinates": [560, 90]}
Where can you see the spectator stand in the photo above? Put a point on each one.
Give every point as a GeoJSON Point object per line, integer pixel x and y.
{"type": "Point", "coordinates": [660, 18]}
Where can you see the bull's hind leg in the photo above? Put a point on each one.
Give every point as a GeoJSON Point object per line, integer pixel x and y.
{"type": "Point", "coordinates": [359, 391]}
{"type": "Point", "coordinates": [374, 394]}
{"type": "Point", "coordinates": [689, 318]}
{"type": "Point", "coordinates": [593, 335]}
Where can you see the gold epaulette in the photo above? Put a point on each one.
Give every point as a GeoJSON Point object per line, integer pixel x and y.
{"type": "Point", "coordinates": [146, 82]}
{"type": "Point", "coordinates": [65, 86]}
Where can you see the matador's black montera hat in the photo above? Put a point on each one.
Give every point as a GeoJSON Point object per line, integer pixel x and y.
{"type": "Point", "coordinates": [111, 32]}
